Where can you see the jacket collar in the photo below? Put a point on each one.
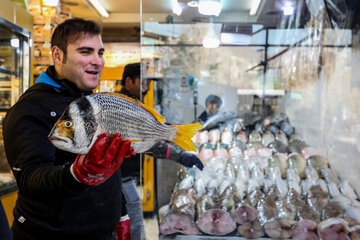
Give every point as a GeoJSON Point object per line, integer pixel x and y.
{"type": "Point", "coordinates": [44, 78]}
{"type": "Point", "coordinates": [49, 78]}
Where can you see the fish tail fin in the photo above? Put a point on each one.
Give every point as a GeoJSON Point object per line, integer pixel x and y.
{"type": "Point", "coordinates": [184, 135]}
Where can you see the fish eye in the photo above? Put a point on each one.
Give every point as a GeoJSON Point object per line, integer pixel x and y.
{"type": "Point", "coordinates": [68, 124]}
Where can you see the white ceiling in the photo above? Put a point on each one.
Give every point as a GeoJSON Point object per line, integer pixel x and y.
{"type": "Point", "coordinates": [127, 12]}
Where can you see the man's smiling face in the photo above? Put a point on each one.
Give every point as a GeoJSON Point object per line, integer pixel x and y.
{"type": "Point", "coordinates": [84, 62]}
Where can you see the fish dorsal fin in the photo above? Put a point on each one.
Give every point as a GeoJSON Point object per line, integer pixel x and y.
{"type": "Point", "coordinates": [157, 116]}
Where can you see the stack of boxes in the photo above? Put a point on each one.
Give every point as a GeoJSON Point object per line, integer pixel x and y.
{"type": "Point", "coordinates": [47, 15]}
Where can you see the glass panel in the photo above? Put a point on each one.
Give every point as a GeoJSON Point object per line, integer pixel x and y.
{"type": "Point", "coordinates": [26, 67]}
{"type": "Point", "coordinates": [289, 70]}
{"type": "Point", "coordinates": [188, 69]}
{"type": "Point", "coordinates": [8, 60]}
{"type": "Point", "coordinates": [14, 65]}
{"type": "Point", "coordinates": [14, 78]}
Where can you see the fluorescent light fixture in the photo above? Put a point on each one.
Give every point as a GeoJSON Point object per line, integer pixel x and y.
{"type": "Point", "coordinates": [52, 3]}
{"type": "Point", "coordinates": [288, 9]}
{"type": "Point", "coordinates": [99, 8]}
{"type": "Point", "coordinates": [15, 43]}
{"type": "Point", "coordinates": [210, 7]}
{"type": "Point", "coordinates": [211, 43]}
{"type": "Point", "coordinates": [204, 73]}
{"type": "Point", "coordinates": [254, 6]}
{"type": "Point", "coordinates": [235, 38]}
{"type": "Point", "coordinates": [193, 4]}
{"type": "Point", "coordinates": [176, 7]}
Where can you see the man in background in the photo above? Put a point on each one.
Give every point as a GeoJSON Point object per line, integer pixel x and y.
{"type": "Point", "coordinates": [213, 104]}
{"type": "Point", "coordinates": [137, 88]}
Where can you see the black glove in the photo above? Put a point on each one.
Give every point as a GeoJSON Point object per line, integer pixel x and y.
{"type": "Point", "coordinates": [166, 150]}
{"type": "Point", "coordinates": [188, 160]}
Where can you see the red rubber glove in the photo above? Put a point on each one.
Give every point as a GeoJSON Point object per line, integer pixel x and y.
{"type": "Point", "coordinates": [122, 230]}
{"type": "Point", "coordinates": [96, 167]}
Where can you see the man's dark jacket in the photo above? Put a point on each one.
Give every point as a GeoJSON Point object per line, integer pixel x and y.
{"type": "Point", "coordinates": [51, 204]}
{"type": "Point", "coordinates": [203, 117]}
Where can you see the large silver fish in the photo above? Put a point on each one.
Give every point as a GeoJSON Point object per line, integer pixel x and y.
{"type": "Point", "coordinates": [217, 119]}
{"type": "Point", "coordinates": [87, 117]}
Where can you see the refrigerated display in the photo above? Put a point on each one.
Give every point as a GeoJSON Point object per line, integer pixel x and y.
{"type": "Point", "coordinates": [14, 80]}
{"type": "Point", "coordinates": [283, 151]}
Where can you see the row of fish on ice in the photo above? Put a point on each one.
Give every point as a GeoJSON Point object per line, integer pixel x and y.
{"type": "Point", "coordinates": [266, 180]}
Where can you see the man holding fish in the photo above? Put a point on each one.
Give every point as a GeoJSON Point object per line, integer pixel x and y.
{"type": "Point", "coordinates": [70, 186]}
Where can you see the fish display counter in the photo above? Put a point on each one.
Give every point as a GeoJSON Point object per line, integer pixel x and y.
{"type": "Point", "coordinates": [7, 184]}
{"type": "Point", "coordinates": [281, 152]}
{"type": "Point", "coordinates": [184, 237]}
{"type": "Point", "coordinates": [261, 179]}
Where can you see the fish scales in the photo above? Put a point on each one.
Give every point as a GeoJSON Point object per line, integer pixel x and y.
{"type": "Point", "coordinates": [89, 116]}
{"type": "Point", "coordinates": [132, 115]}
{"type": "Point", "coordinates": [131, 121]}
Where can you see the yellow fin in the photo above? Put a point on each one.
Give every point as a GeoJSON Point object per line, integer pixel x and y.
{"type": "Point", "coordinates": [157, 116]}
{"type": "Point", "coordinates": [184, 135]}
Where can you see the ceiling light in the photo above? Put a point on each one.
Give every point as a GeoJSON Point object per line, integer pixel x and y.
{"type": "Point", "coordinates": [176, 7]}
{"type": "Point", "coordinates": [193, 4]}
{"type": "Point", "coordinates": [211, 39]}
{"type": "Point", "coordinates": [210, 7]}
{"type": "Point", "coordinates": [15, 42]}
{"type": "Point", "coordinates": [99, 8]}
{"type": "Point", "coordinates": [288, 9]}
{"type": "Point", "coordinates": [211, 43]}
{"type": "Point", "coordinates": [254, 6]}
{"type": "Point", "coordinates": [52, 3]}
{"type": "Point", "coordinates": [235, 38]}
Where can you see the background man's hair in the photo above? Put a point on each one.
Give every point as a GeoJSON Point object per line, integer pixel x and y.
{"type": "Point", "coordinates": [213, 99]}
{"type": "Point", "coordinates": [132, 71]}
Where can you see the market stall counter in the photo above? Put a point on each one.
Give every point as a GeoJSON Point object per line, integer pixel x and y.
{"type": "Point", "coordinates": [260, 179]}
{"type": "Point", "coordinates": [195, 237]}
{"type": "Point", "coordinates": [7, 184]}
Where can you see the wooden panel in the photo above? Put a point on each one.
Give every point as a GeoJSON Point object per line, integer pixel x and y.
{"type": "Point", "coordinates": [112, 73]}
{"type": "Point", "coordinates": [8, 202]}
{"type": "Point", "coordinates": [149, 170]}
{"type": "Point", "coordinates": [16, 14]}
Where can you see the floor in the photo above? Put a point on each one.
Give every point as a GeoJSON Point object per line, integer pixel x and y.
{"type": "Point", "coordinates": [151, 224]}
{"type": "Point", "coordinates": [151, 228]}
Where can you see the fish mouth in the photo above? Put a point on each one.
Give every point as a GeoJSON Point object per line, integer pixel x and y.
{"type": "Point", "coordinates": [52, 139]}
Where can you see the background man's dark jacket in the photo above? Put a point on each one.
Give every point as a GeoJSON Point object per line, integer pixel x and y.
{"type": "Point", "coordinates": [131, 165]}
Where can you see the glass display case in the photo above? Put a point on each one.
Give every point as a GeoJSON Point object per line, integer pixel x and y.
{"type": "Point", "coordinates": [291, 79]}
{"type": "Point", "coordinates": [14, 80]}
